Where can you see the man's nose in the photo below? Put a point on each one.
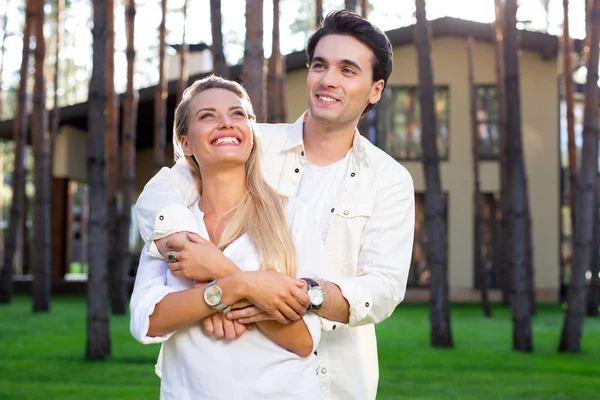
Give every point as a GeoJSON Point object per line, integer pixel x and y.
{"type": "Point", "coordinates": [330, 78]}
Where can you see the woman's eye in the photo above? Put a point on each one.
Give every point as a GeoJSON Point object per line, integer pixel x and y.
{"type": "Point", "coordinates": [239, 114]}
{"type": "Point", "coordinates": [205, 116]}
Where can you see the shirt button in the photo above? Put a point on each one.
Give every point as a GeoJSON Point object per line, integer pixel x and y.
{"type": "Point", "coordinates": [346, 212]}
{"type": "Point", "coordinates": [333, 209]}
{"type": "Point", "coordinates": [334, 327]}
{"type": "Point", "coordinates": [296, 170]}
{"type": "Point", "coordinates": [315, 352]}
{"type": "Point", "coordinates": [161, 217]}
{"type": "Point", "coordinates": [367, 304]}
{"type": "Point", "coordinates": [323, 370]}
{"type": "Point", "coordinates": [302, 152]}
{"type": "Point", "coordinates": [353, 174]}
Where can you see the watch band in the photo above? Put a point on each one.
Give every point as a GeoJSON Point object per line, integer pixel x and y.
{"type": "Point", "coordinates": [314, 286]}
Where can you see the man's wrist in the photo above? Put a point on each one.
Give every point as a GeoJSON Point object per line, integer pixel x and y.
{"type": "Point", "coordinates": [226, 269]}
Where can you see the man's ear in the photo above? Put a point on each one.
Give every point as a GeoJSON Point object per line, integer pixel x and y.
{"type": "Point", "coordinates": [185, 146]}
{"type": "Point", "coordinates": [376, 91]}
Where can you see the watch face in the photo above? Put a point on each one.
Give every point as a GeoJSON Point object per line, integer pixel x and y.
{"type": "Point", "coordinates": [316, 296]}
{"type": "Point", "coordinates": [212, 295]}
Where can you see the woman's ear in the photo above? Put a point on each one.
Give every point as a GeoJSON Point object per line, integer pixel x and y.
{"type": "Point", "coordinates": [185, 146]}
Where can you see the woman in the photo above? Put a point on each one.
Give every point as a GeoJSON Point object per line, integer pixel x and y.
{"type": "Point", "coordinates": [258, 230]}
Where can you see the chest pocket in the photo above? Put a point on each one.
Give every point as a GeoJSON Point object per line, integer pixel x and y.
{"type": "Point", "coordinates": [345, 234]}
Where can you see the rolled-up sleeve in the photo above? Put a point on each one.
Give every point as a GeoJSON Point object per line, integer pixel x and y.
{"type": "Point", "coordinates": [385, 255]}
{"type": "Point", "coordinates": [149, 289]}
{"type": "Point", "coordinates": [169, 187]}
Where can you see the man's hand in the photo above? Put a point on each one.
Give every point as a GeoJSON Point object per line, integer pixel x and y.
{"type": "Point", "coordinates": [198, 259]}
{"type": "Point", "coordinates": [218, 327]}
{"type": "Point", "coordinates": [248, 315]}
{"type": "Point", "coordinates": [282, 297]}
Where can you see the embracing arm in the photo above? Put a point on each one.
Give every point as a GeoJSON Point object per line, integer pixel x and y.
{"type": "Point", "coordinates": [294, 337]}
{"type": "Point", "coordinates": [384, 259]}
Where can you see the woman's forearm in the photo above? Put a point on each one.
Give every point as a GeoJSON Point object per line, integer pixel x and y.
{"type": "Point", "coordinates": [293, 336]}
{"type": "Point", "coordinates": [178, 309]}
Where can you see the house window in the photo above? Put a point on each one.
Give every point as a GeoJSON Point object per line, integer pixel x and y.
{"type": "Point", "coordinates": [487, 122]}
{"type": "Point", "coordinates": [399, 126]}
{"type": "Point", "coordinates": [492, 236]}
{"type": "Point", "coordinates": [419, 275]}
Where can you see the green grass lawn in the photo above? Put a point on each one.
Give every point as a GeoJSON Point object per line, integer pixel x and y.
{"type": "Point", "coordinates": [41, 357]}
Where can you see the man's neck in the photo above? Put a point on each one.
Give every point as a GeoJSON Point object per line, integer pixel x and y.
{"type": "Point", "coordinates": [324, 144]}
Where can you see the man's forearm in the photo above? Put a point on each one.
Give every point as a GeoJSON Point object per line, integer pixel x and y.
{"type": "Point", "coordinates": [335, 306]}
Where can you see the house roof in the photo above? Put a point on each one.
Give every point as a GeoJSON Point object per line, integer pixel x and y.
{"type": "Point", "coordinates": [76, 115]}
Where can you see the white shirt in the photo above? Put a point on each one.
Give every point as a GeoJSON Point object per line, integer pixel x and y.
{"type": "Point", "coordinates": [317, 189]}
{"type": "Point", "coordinates": [195, 366]}
{"type": "Point", "coordinates": [368, 246]}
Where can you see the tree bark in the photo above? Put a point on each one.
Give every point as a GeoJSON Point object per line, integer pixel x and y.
{"type": "Point", "coordinates": [477, 197]}
{"type": "Point", "coordinates": [350, 5]}
{"type": "Point", "coordinates": [98, 336]}
{"type": "Point", "coordinates": [130, 107]}
{"type": "Point", "coordinates": [318, 13]}
{"type": "Point", "coordinates": [253, 68]}
{"type": "Point", "coordinates": [570, 340]}
{"type": "Point", "coordinates": [55, 116]}
{"type": "Point", "coordinates": [518, 204]}
{"type": "Point", "coordinates": [216, 23]}
{"type": "Point", "coordinates": [504, 273]}
{"type": "Point", "coordinates": [41, 150]}
{"type": "Point", "coordinates": [14, 233]}
{"type": "Point", "coordinates": [118, 285]}
{"type": "Point", "coordinates": [568, 79]}
{"type": "Point", "coordinates": [160, 97]}
{"type": "Point", "coordinates": [364, 8]}
{"type": "Point", "coordinates": [183, 58]}
{"type": "Point", "coordinates": [275, 72]}
{"type": "Point", "coordinates": [3, 53]}
{"type": "Point", "coordinates": [593, 299]}
{"type": "Point", "coordinates": [435, 223]}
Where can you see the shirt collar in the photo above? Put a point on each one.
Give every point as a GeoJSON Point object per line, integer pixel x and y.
{"type": "Point", "coordinates": [295, 140]}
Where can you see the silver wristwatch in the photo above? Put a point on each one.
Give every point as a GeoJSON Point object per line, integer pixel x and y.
{"type": "Point", "coordinates": [213, 295]}
{"type": "Point", "coordinates": [315, 294]}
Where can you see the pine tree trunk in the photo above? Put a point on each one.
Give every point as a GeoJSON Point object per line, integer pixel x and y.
{"type": "Point", "coordinates": [253, 69]}
{"type": "Point", "coordinates": [318, 13]}
{"type": "Point", "coordinates": [118, 284]}
{"type": "Point", "coordinates": [568, 79]}
{"type": "Point", "coordinates": [41, 150]}
{"type": "Point", "coordinates": [130, 113]}
{"type": "Point", "coordinates": [350, 5]}
{"type": "Point", "coordinates": [216, 23]}
{"type": "Point", "coordinates": [182, 83]}
{"type": "Point", "coordinates": [503, 270]}
{"type": "Point", "coordinates": [477, 197]}
{"type": "Point", "coordinates": [518, 206]}
{"type": "Point", "coordinates": [160, 97]}
{"type": "Point", "coordinates": [3, 54]}
{"type": "Point", "coordinates": [55, 116]}
{"type": "Point", "coordinates": [435, 223]}
{"type": "Point", "coordinates": [364, 8]}
{"type": "Point", "coordinates": [14, 233]}
{"type": "Point", "coordinates": [570, 340]}
{"type": "Point", "coordinates": [274, 72]}
{"type": "Point", "coordinates": [593, 300]}
{"type": "Point", "coordinates": [98, 336]}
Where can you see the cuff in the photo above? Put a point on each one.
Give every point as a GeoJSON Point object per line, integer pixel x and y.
{"type": "Point", "coordinates": [140, 320]}
{"type": "Point", "coordinates": [329, 325]}
{"type": "Point", "coordinates": [358, 300]}
{"type": "Point", "coordinates": [171, 219]}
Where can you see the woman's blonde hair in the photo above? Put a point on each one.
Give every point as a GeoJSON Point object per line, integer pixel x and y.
{"type": "Point", "coordinates": [260, 211]}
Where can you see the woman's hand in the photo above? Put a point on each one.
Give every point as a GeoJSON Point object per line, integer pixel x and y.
{"type": "Point", "coordinates": [198, 259]}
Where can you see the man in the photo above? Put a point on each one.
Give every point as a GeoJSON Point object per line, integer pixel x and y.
{"type": "Point", "coordinates": [363, 201]}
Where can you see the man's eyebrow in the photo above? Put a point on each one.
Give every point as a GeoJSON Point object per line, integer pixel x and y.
{"type": "Point", "coordinates": [345, 61]}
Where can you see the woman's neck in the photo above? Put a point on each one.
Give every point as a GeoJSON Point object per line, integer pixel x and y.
{"type": "Point", "coordinates": [222, 190]}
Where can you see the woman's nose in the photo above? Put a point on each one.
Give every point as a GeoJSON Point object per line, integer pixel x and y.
{"type": "Point", "coordinates": [225, 122]}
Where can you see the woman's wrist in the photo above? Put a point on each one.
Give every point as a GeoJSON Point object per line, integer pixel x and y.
{"type": "Point", "coordinates": [234, 287]}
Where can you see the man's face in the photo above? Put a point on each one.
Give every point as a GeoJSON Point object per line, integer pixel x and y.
{"type": "Point", "coordinates": [340, 80]}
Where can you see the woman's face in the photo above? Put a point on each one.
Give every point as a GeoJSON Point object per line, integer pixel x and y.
{"type": "Point", "coordinates": [219, 133]}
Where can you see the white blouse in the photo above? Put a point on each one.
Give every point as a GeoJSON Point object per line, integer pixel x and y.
{"type": "Point", "coordinates": [195, 366]}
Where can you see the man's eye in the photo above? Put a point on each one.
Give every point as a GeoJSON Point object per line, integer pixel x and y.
{"type": "Point", "coordinates": [348, 71]}
{"type": "Point", "coordinates": [318, 66]}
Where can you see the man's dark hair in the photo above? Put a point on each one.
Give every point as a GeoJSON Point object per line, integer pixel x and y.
{"type": "Point", "coordinates": [346, 22]}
